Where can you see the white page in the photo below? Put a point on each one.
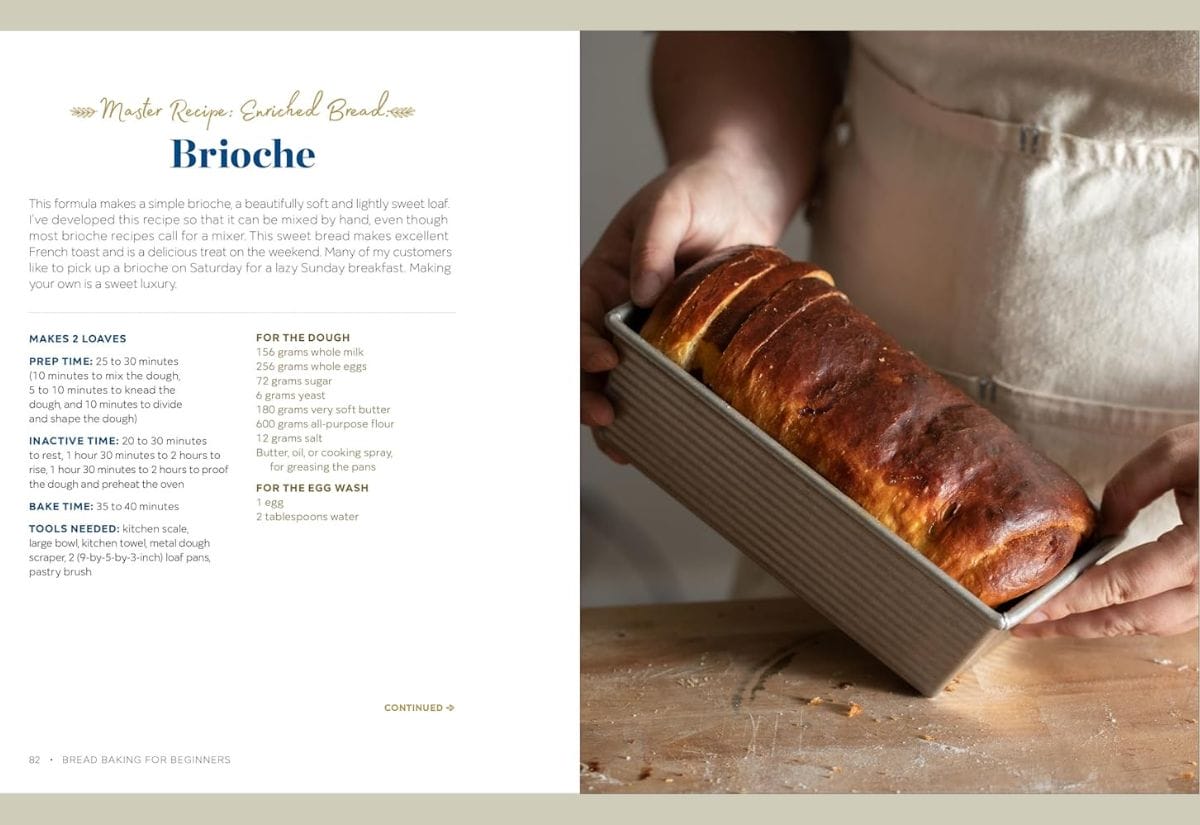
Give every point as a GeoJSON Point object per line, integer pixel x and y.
{"type": "Point", "coordinates": [185, 606]}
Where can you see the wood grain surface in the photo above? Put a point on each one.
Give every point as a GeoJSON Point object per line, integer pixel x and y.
{"type": "Point", "coordinates": [766, 696]}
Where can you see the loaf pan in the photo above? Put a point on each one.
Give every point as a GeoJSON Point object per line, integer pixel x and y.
{"type": "Point", "coordinates": [818, 542]}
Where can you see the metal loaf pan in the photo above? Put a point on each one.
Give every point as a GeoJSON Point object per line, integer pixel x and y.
{"type": "Point", "coordinates": [809, 535]}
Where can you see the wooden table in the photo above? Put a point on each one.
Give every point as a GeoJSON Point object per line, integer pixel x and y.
{"type": "Point", "coordinates": [767, 697]}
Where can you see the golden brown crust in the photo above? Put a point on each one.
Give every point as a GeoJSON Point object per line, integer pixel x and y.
{"type": "Point", "coordinates": [677, 292]}
{"type": "Point", "coordinates": [699, 295]}
{"type": "Point", "coordinates": [929, 463]}
{"type": "Point", "coordinates": [733, 314]}
{"type": "Point", "coordinates": [760, 326]}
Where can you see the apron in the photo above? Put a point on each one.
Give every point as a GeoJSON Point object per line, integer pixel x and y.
{"type": "Point", "coordinates": [1032, 235]}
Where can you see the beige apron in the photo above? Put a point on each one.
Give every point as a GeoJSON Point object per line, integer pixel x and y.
{"type": "Point", "coordinates": [1021, 211]}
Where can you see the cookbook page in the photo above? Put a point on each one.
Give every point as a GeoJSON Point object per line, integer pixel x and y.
{"type": "Point", "coordinates": [278, 412]}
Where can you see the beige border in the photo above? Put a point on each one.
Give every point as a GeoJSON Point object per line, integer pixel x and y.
{"type": "Point", "coordinates": [613, 14]}
{"type": "Point", "coordinates": [352, 15]}
{"type": "Point", "coordinates": [367, 809]}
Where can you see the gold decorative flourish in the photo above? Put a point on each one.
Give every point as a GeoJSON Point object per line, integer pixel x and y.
{"type": "Point", "coordinates": [402, 111]}
{"type": "Point", "coordinates": [82, 111]}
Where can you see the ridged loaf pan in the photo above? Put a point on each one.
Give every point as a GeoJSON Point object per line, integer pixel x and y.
{"type": "Point", "coordinates": [809, 535]}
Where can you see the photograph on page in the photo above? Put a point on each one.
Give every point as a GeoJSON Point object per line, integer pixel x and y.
{"type": "Point", "coordinates": [889, 400]}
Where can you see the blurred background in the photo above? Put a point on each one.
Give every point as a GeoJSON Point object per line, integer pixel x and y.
{"type": "Point", "coordinates": [637, 544]}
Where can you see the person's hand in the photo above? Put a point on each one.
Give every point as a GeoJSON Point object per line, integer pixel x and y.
{"type": "Point", "coordinates": [1150, 589]}
{"type": "Point", "coordinates": [692, 209]}
{"type": "Point", "coordinates": [742, 117]}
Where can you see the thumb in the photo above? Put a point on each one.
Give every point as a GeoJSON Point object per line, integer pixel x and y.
{"type": "Point", "coordinates": [1167, 464]}
{"type": "Point", "coordinates": [655, 242]}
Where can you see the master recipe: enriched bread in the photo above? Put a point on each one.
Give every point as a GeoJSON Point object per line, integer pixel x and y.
{"type": "Point", "coordinates": [785, 348]}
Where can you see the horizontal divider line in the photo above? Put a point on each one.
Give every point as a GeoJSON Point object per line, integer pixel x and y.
{"type": "Point", "coordinates": [242, 312]}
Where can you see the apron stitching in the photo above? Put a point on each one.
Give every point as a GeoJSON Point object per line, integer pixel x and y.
{"type": "Point", "coordinates": [986, 387]}
{"type": "Point", "coordinates": [1049, 396]}
{"type": "Point", "coordinates": [1075, 149]}
{"type": "Point", "coordinates": [1075, 424]}
{"type": "Point", "coordinates": [1028, 139]}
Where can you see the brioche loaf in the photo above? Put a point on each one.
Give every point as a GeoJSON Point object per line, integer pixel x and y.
{"type": "Point", "coordinates": [785, 348]}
